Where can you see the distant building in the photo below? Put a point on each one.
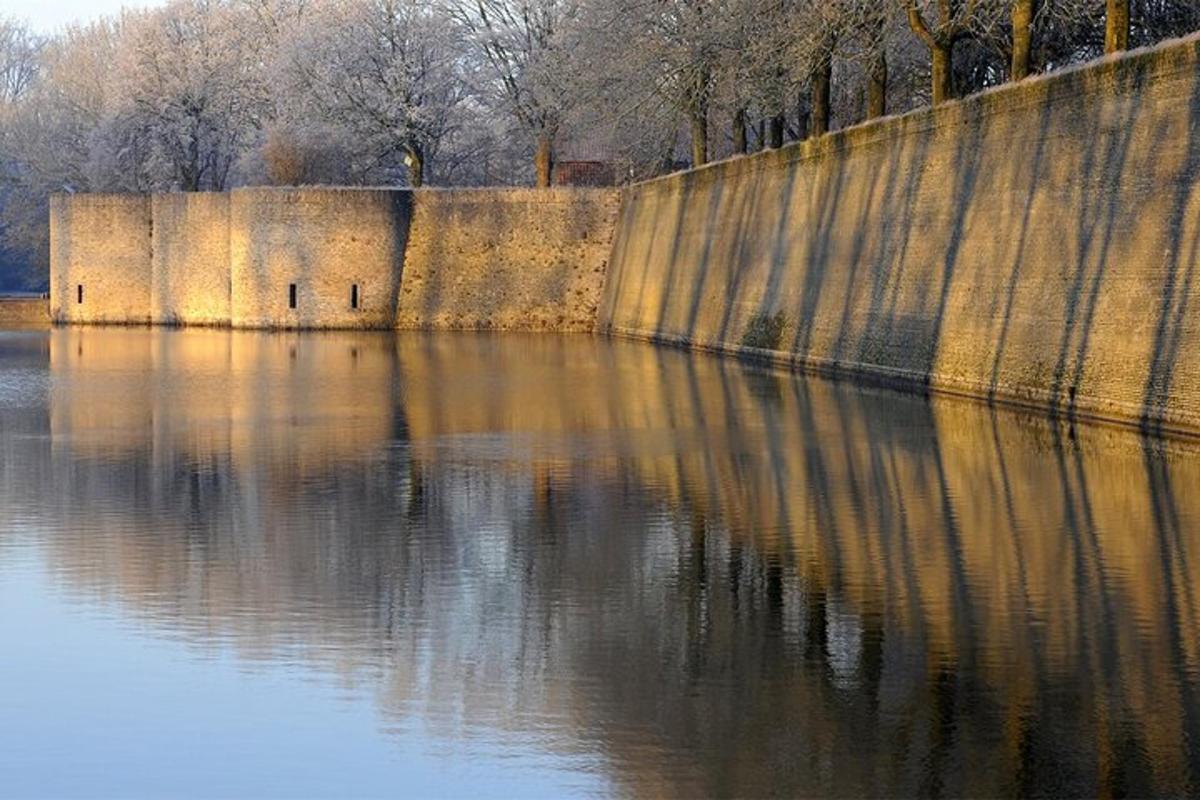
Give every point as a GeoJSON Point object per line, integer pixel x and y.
{"type": "Point", "coordinates": [584, 173]}
{"type": "Point", "coordinates": [584, 163]}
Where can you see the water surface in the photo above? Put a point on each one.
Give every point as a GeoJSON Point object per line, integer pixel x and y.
{"type": "Point", "coordinates": [238, 564]}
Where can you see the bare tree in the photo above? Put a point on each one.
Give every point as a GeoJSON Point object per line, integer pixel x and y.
{"type": "Point", "coordinates": [940, 25]}
{"type": "Point", "coordinates": [19, 50]}
{"type": "Point", "coordinates": [1116, 31]}
{"type": "Point", "coordinates": [871, 31]}
{"type": "Point", "coordinates": [1041, 19]}
{"type": "Point", "coordinates": [1022, 38]}
{"type": "Point", "coordinates": [193, 84]}
{"type": "Point", "coordinates": [856, 30]}
{"type": "Point", "coordinates": [764, 70]}
{"type": "Point", "coordinates": [816, 27]}
{"type": "Point", "coordinates": [523, 44]}
{"type": "Point", "coordinates": [676, 52]}
{"type": "Point", "coordinates": [383, 70]}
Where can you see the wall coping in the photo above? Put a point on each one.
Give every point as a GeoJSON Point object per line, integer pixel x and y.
{"type": "Point", "coordinates": [555, 194]}
{"type": "Point", "coordinates": [101, 197]}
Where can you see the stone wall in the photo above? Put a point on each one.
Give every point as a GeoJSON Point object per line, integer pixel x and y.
{"type": "Point", "coordinates": [482, 258]}
{"type": "Point", "coordinates": [507, 259]}
{"type": "Point", "coordinates": [100, 258]}
{"type": "Point", "coordinates": [24, 311]}
{"type": "Point", "coordinates": [323, 242]}
{"type": "Point", "coordinates": [190, 258]}
{"type": "Point", "coordinates": [1035, 244]}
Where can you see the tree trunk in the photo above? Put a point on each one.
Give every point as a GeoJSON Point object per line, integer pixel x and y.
{"type": "Point", "coordinates": [189, 179]}
{"type": "Point", "coordinates": [822, 81]}
{"type": "Point", "coordinates": [877, 84]}
{"type": "Point", "coordinates": [1116, 29]}
{"type": "Point", "coordinates": [699, 117]}
{"type": "Point", "coordinates": [543, 160]}
{"type": "Point", "coordinates": [741, 143]}
{"type": "Point", "coordinates": [775, 134]}
{"type": "Point", "coordinates": [943, 75]}
{"type": "Point", "coordinates": [1022, 23]}
{"type": "Point", "coordinates": [415, 159]}
{"type": "Point", "coordinates": [189, 172]}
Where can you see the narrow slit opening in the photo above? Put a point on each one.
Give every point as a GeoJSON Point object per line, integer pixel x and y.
{"type": "Point", "coordinates": [354, 296]}
{"type": "Point", "coordinates": [79, 293]}
{"type": "Point", "coordinates": [291, 295]}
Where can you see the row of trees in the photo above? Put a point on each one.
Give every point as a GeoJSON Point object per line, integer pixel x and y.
{"type": "Point", "coordinates": [204, 94]}
{"type": "Point", "coordinates": [797, 68]}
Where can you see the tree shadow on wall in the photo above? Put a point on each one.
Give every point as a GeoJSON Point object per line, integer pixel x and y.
{"type": "Point", "coordinates": [880, 242]}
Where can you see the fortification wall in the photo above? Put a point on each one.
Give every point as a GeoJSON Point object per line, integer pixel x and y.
{"type": "Point", "coordinates": [336, 258]}
{"type": "Point", "coordinates": [100, 258]}
{"type": "Point", "coordinates": [24, 311]}
{"type": "Point", "coordinates": [1036, 244]}
{"type": "Point", "coordinates": [507, 259]}
{"type": "Point", "coordinates": [190, 259]}
{"type": "Point", "coordinates": [322, 242]}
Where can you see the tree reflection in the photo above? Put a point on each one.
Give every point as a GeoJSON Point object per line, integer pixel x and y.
{"type": "Point", "coordinates": [727, 582]}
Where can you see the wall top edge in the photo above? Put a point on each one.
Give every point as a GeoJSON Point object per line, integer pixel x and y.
{"type": "Point", "coordinates": [98, 197]}
{"type": "Point", "coordinates": [430, 189]}
{"type": "Point", "coordinates": [524, 192]}
{"type": "Point", "coordinates": [1175, 56]}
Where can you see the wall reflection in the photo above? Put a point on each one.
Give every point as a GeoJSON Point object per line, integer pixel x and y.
{"type": "Point", "coordinates": [725, 581]}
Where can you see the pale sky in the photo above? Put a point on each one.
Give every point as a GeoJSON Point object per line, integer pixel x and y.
{"type": "Point", "coordinates": [48, 15]}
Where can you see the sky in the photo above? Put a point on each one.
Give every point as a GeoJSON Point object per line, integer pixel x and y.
{"type": "Point", "coordinates": [47, 15]}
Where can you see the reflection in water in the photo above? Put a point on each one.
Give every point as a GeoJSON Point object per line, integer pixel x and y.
{"type": "Point", "coordinates": [696, 577]}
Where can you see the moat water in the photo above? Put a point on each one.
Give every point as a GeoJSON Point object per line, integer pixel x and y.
{"type": "Point", "coordinates": [463, 565]}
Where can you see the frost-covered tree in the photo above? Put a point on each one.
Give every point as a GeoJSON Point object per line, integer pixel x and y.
{"type": "Point", "coordinates": [19, 64]}
{"type": "Point", "coordinates": [873, 35]}
{"type": "Point", "coordinates": [672, 53]}
{"type": "Point", "coordinates": [51, 129]}
{"type": "Point", "coordinates": [1116, 33]}
{"type": "Point", "coordinates": [1039, 33]}
{"type": "Point", "coordinates": [942, 24]}
{"type": "Point", "coordinates": [385, 72]}
{"type": "Point", "coordinates": [19, 49]}
{"type": "Point", "coordinates": [523, 46]}
{"type": "Point", "coordinates": [203, 94]}
{"type": "Point", "coordinates": [192, 88]}
{"type": "Point", "coordinates": [47, 132]}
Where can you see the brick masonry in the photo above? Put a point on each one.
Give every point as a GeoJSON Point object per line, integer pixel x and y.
{"type": "Point", "coordinates": [1036, 244]}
